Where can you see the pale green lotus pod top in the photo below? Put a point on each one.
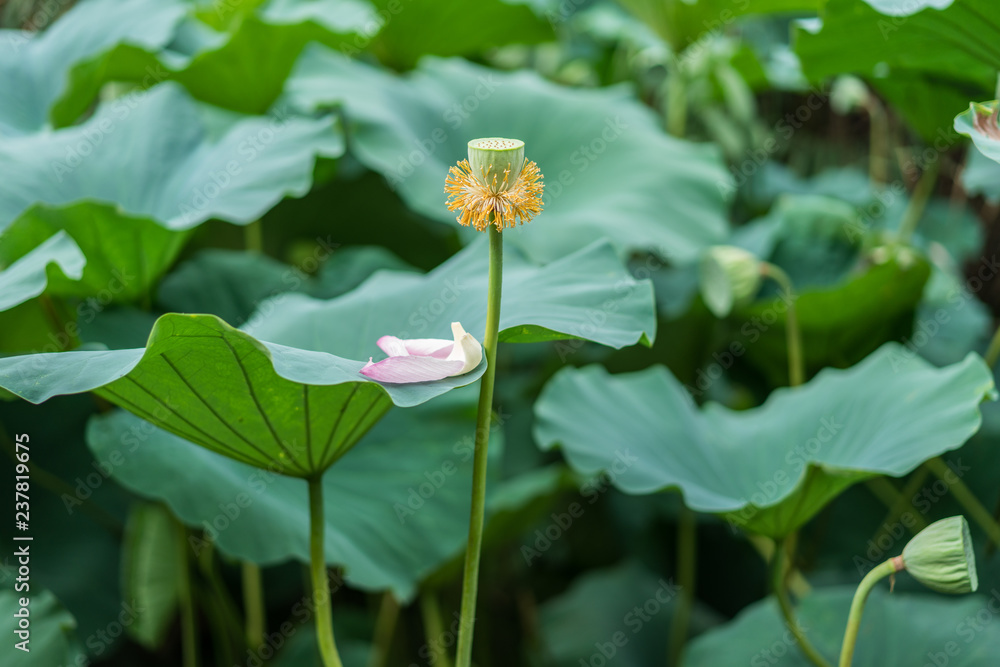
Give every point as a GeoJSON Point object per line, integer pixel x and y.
{"type": "Point", "coordinates": [497, 160]}
{"type": "Point", "coordinates": [728, 275]}
{"type": "Point", "coordinates": [940, 557]}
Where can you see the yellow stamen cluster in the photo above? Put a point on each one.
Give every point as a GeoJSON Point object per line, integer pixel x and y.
{"type": "Point", "coordinates": [499, 203]}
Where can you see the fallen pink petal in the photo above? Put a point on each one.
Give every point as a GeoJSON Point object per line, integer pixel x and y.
{"type": "Point", "coordinates": [425, 359]}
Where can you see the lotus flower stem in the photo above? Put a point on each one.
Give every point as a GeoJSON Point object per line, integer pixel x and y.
{"type": "Point", "coordinates": [385, 629]}
{"type": "Point", "coordinates": [966, 498]}
{"type": "Point", "coordinates": [317, 570]}
{"type": "Point", "coordinates": [796, 363]}
{"type": "Point", "coordinates": [189, 630]}
{"type": "Point", "coordinates": [687, 555]}
{"type": "Point", "coordinates": [430, 614]}
{"type": "Point", "coordinates": [993, 351]}
{"type": "Point", "coordinates": [877, 573]}
{"type": "Point", "coordinates": [470, 577]}
{"type": "Point", "coordinates": [253, 603]}
{"type": "Point", "coordinates": [253, 237]}
{"type": "Point", "coordinates": [918, 202]}
{"type": "Point", "coordinates": [778, 578]}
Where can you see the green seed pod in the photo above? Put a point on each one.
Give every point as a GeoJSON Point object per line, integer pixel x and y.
{"type": "Point", "coordinates": [940, 557]}
{"type": "Point", "coordinates": [728, 275]}
{"type": "Point", "coordinates": [497, 161]}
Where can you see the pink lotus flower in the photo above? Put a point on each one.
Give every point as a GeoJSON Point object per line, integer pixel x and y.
{"type": "Point", "coordinates": [425, 359]}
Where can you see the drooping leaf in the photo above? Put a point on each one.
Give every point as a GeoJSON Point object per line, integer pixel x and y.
{"type": "Point", "coordinates": [453, 29]}
{"type": "Point", "coordinates": [896, 629]}
{"type": "Point", "coordinates": [610, 171]}
{"type": "Point", "coordinates": [272, 406]}
{"type": "Point", "coordinates": [186, 162]}
{"type": "Point", "coordinates": [28, 276]}
{"type": "Point", "coordinates": [620, 614]}
{"type": "Point", "coordinates": [39, 66]}
{"type": "Point", "coordinates": [767, 469]}
{"type": "Point", "coordinates": [51, 638]}
{"type": "Point", "coordinates": [587, 295]}
{"type": "Point", "coordinates": [217, 69]}
{"type": "Point", "coordinates": [124, 255]}
{"type": "Point", "coordinates": [923, 56]}
{"type": "Point", "coordinates": [150, 572]}
{"type": "Point", "coordinates": [396, 505]}
{"type": "Point", "coordinates": [839, 324]}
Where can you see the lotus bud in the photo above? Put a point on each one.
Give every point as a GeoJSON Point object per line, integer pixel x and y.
{"type": "Point", "coordinates": [498, 161]}
{"type": "Point", "coordinates": [848, 94]}
{"type": "Point", "coordinates": [940, 557]}
{"type": "Point", "coordinates": [728, 275]}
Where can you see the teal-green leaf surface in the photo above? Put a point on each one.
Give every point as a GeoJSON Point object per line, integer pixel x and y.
{"type": "Point", "coordinates": [610, 171]}
{"type": "Point", "coordinates": [767, 469]}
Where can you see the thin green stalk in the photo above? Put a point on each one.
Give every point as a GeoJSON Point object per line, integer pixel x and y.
{"type": "Point", "coordinates": [676, 102]}
{"type": "Point", "coordinates": [385, 628]}
{"type": "Point", "coordinates": [317, 570]}
{"type": "Point", "coordinates": [993, 351]}
{"type": "Point", "coordinates": [966, 498]}
{"type": "Point", "coordinates": [470, 576]}
{"type": "Point", "coordinates": [796, 362]}
{"type": "Point", "coordinates": [778, 566]}
{"type": "Point", "coordinates": [231, 633]}
{"type": "Point", "coordinates": [253, 237]}
{"type": "Point", "coordinates": [253, 603]}
{"type": "Point", "coordinates": [918, 201]}
{"type": "Point", "coordinates": [878, 141]}
{"type": "Point", "coordinates": [878, 573]}
{"type": "Point", "coordinates": [903, 503]}
{"type": "Point", "coordinates": [687, 554]}
{"type": "Point", "coordinates": [189, 630]}
{"type": "Point", "coordinates": [430, 612]}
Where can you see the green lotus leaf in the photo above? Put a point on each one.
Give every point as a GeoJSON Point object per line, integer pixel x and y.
{"type": "Point", "coordinates": [52, 640]}
{"type": "Point", "coordinates": [186, 162]}
{"type": "Point", "coordinates": [59, 257]}
{"type": "Point", "coordinates": [40, 66]}
{"type": "Point", "coordinates": [839, 324]}
{"type": "Point", "coordinates": [452, 29]}
{"type": "Point", "coordinates": [150, 570]}
{"type": "Point", "coordinates": [396, 506]}
{"type": "Point", "coordinates": [925, 57]}
{"type": "Point", "coordinates": [588, 295]}
{"type": "Point", "coordinates": [897, 629]}
{"type": "Point", "coordinates": [124, 255]}
{"type": "Point", "coordinates": [610, 171]}
{"type": "Point", "coordinates": [767, 469]}
{"type": "Point", "coordinates": [268, 405]}
{"type": "Point", "coordinates": [215, 67]}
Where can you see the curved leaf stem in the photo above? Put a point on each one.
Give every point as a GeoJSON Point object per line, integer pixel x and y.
{"type": "Point", "coordinates": [430, 612]}
{"type": "Point", "coordinates": [317, 571]}
{"type": "Point", "coordinates": [189, 630]}
{"type": "Point", "coordinates": [778, 567]}
{"type": "Point", "coordinates": [966, 498]}
{"type": "Point", "coordinates": [687, 554]}
{"type": "Point", "coordinates": [253, 603]}
{"type": "Point", "coordinates": [878, 573]}
{"type": "Point", "coordinates": [470, 575]}
{"type": "Point", "coordinates": [796, 362]}
{"type": "Point", "coordinates": [253, 237]}
{"type": "Point", "coordinates": [385, 629]}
